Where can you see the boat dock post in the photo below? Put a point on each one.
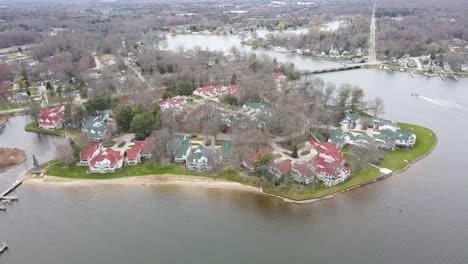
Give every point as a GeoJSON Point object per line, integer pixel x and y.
{"type": "Point", "coordinates": [3, 248]}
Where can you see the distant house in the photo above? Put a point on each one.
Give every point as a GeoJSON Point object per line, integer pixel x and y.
{"type": "Point", "coordinates": [89, 153]}
{"type": "Point", "coordinates": [171, 103]}
{"type": "Point", "coordinates": [326, 150]}
{"type": "Point", "coordinates": [303, 173]}
{"type": "Point", "coordinates": [148, 147]}
{"type": "Point", "coordinates": [96, 126]}
{"type": "Point", "coordinates": [3, 58]}
{"type": "Point", "coordinates": [225, 152]}
{"type": "Point", "coordinates": [52, 118]}
{"type": "Point", "coordinates": [108, 160]}
{"type": "Point", "coordinates": [134, 154]}
{"type": "Point", "coordinates": [279, 77]}
{"type": "Point", "coordinates": [200, 159]}
{"type": "Point", "coordinates": [217, 91]}
{"type": "Point", "coordinates": [281, 168]}
{"type": "Point", "coordinates": [21, 98]}
{"type": "Point", "coordinates": [254, 107]}
{"type": "Point", "coordinates": [180, 148]}
{"type": "Point", "coordinates": [338, 137]}
{"type": "Point", "coordinates": [250, 158]}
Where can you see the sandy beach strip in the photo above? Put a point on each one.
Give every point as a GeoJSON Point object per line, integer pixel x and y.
{"type": "Point", "coordinates": [150, 180]}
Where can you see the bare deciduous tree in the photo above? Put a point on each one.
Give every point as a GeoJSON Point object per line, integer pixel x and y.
{"type": "Point", "coordinates": [64, 152]}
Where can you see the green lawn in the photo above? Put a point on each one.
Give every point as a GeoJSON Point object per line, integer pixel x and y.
{"type": "Point", "coordinates": [146, 168]}
{"type": "Point", "coordinates": [9, 106]}
{"type": "Point", "coordinates": [425, 139]}
{"type": "Point", "coordinates": [31, 127]}
{"type": "Point", "coordinates": [395, 160]}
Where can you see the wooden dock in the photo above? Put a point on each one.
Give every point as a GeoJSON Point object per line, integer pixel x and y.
{"type": "Point", "coordinates": [4, 198]}
{"type": "Point", "coordinates": [13, 187]}
{"type": "Point", "coordinates": [3, 248]}
{"type": "Point", "coordinates": [343, 68]}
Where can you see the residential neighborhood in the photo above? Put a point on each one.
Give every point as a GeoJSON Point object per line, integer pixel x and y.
{"type": "Point", "coordinates": [364, 131]}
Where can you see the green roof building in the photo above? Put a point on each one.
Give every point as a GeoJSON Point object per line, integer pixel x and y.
{"type": "Point", "coordinates": [180, 148]}
{"type": "Point", "coordinates": [225, 151]}
{"type": "Point", "coordinates": [96, 126]}
{"type": "Point", "coordinates": [200, 159]}
{"type": "Point", "coordinates": [255, 106]}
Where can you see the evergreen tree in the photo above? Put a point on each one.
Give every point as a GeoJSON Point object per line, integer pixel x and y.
{"type": "Point", "coordinates": [124, 118]}
{"type": "Point", "coordinates": [35, 162]}
{"type": "Point", "coordinates": [294, 152]}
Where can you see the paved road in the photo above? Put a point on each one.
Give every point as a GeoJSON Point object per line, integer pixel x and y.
{"type": "Point", "coordinates": [12, 111]}
{"type": "Point", "coordinates": [372, 38]}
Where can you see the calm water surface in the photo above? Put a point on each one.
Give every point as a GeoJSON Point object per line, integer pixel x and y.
{"type": "Point", "coordinates": [419, 216]}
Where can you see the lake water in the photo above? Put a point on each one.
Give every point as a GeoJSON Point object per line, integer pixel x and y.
{"type": "Point", "coordinates": [418, 216]}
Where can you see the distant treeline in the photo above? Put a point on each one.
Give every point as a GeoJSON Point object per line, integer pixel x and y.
{"type": "Point", "coordinates": [394, 12]}
{"type": "Point", "coordinates": [15, 38]}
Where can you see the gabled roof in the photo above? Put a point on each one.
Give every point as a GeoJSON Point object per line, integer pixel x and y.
{"type": "Point", "coordinates": [51, 115]}
{"type": "Point", "coordinates": [226, 149]}
{"type": "Point", "coordinates": [327, 148]}
{"type": "Point", "coordinates": [284, 166]}
{"type": "Point", "coordinates": [255, 105]}
{"type": "Point", "coordinates": [148, 145]}
{"type": "Point", "coordinates": [251, 157]}
{"type": "Point", "coordinates": [95, 125]}
{"type": "Point", "coordinates": [198, 154]}
{"type": "Point", "coordinates": [321, 165]}
{"type": "Point", "coordinates": [135, 150]}
{"type": "Point", "coordinates": [107, 154]}
{"type": "Point", "coordinates": [173, 101]}
{"type": "Point", "coordinates": [303, 169]}
{"type": "Point", "coordinates": [181, 148]}
{"type": "Point", "coordinates": [278, 75]}
{"type": "Point", "coordinates": [337, 135]}
{"type": "Point", "coordinates": [87, 153]}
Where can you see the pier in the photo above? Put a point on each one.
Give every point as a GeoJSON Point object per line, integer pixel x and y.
{"type": "Point", "coordinates": [13, 187]}
{"type": "Point", "coordinates": [3, 248]}
{"type": "Point", "coordinates": [334, 69]}
{"type": "Point", "coordinates": [4, 198]}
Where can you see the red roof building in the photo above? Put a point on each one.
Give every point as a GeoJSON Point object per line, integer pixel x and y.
{"type": "Point", "coordinates": [148, 147]}
{"type": "Point", "coordinates": [250, 158]}
{"type": "Point", "coordinates": [89, 153]}
{"type": "Point", "coordinates": [134, 154]}
{"type": "Point", "coordinates": [52, 118]}
{"type": "Point", "coordinates": [172, 102]}
{"type": "Point", "coordinates": [279, 76]}
{"type": "Point", "coordinates": [108, 160]}
{"type": "Point", "coordinates": [328, 151]}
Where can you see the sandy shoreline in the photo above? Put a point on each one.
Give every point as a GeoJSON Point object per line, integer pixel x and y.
{"type": "Point", "coordinates": [151, 180]}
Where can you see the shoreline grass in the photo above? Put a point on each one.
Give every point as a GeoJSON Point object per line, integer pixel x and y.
{"type": "Point", "coordinates": [396, 160]}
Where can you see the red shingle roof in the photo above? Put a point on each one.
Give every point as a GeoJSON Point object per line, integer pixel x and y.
{"type": "Point", "coordinates": [88, 153]}
{"type": "Point", "coordinates": [50, 116]}
{"type": "Point", "coordinates": [278, 75]}
{"type": "Point", "coordinates": [148, 145]}
{"type": "Point", "coordinates": [328, 149]}
{"type": "Point", "coordinates": [113, 156]}
{"type": "Point", "coordinates": [135, 150]}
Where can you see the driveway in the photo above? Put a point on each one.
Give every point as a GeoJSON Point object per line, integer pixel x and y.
{"type": "Point", "coordinates": [125, 137]}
